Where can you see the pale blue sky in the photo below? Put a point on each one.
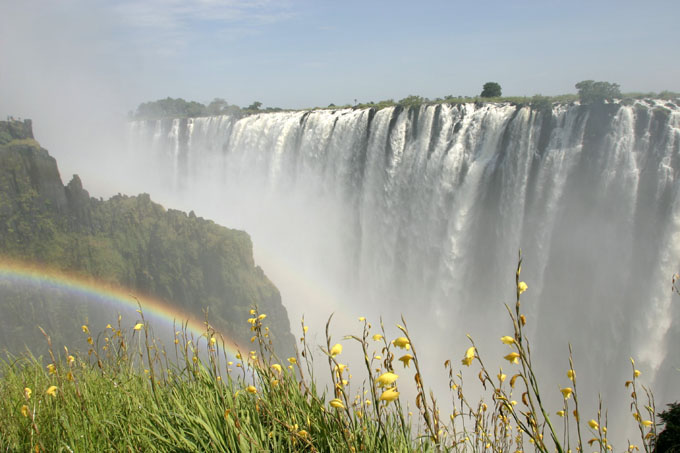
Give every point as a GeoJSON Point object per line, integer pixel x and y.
{"type": "Point", "coordinates": [311, 53]}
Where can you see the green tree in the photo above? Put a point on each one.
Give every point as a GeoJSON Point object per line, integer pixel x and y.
{"type": "Point", "coordinates": [491, 90]}
{"type": "Point", "coordinates": [591, 92]}
{"type": "Point", "coordinates": [669, 438]}
{"type": "Point", "coordinates": [412, 101]}
{"type": "Point", "coordinates": [218, 106]}
{"type": "Point", "coordinates": [169, 108]}
{"type": "Point", "coordinates": [254, 106]}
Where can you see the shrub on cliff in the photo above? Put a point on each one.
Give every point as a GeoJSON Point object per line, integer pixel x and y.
{"type": "Point", "coordinates": [591, 92]}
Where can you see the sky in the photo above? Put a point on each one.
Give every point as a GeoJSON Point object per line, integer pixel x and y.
{"type": "Point", "coordinates": [74, 65]}
{"type": "Point", "coordinates": [297, 54]}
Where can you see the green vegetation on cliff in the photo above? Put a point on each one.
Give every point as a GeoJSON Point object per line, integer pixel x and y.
{"type": "Point", "coordinates": [589, 92]}
{"type": "Point", "coordinates": [131, 242]}
{"type": "Point", "coordinates": [179, 108]}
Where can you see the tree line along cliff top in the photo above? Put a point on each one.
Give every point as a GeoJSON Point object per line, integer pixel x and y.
{"type": "Point", "coordinates": [589, 91]}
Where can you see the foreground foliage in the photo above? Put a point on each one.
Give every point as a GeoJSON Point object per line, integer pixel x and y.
{"type": "Point", "coordinates": [131, 394]}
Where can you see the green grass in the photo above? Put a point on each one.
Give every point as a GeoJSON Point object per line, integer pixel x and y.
{"type": "Point", "coordinates": [128, 393]}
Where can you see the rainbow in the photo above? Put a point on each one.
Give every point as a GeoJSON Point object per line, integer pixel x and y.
{"type": "Point", "coordinates": [116, 297]}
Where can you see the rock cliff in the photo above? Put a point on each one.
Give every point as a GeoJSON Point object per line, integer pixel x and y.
{"type": "Point", "coordinates": [128, 241]}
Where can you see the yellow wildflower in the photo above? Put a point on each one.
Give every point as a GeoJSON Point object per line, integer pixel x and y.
{"type": "Point", "coordinates": [24, 410]}
{"type": "Point", "coordinates": [501, 377]}
{"type": "Point", "coordinates": [52, 390]}
{"type": "Point", "coordinates": [305, 329]}
{"type": "Point", "coordinates": [377, 337]}
{"type": "Point", "coordinates": [27, 393]}
{"type": "Point", "coordinates": [138, 326]}
{"type": "Point", "coordinates": [389, 395]}
{"type": "Point", "coordinates": [292, 360]}
{"type": "Point", "coordinates": [593, 424]}
{"type": "Point", "coordinates": [261, 317]}
{"type": "Point", "coordinates": [70, 359]}
{"type": "Point", "coordinates": [513, 357]}
{"type": "Point", "coordinates": [560, 413]}
{"type": "Point", "coordinates": [637, 373]}
{"type": "Point", "coordinates": [251, 389]}
{"type": "Point", "coordinates": [336, 403]}
{"type": "Point", "coordinates": [277, 367]}
{"type": "Point", "coordinates": [335, 350]}
{"type": "Point", "coordinates": [406, 359]}
{"type": "Point", "coordinates": [469, 356]}
{"type": "Point", "coordinates": [507, 339]}
{"type": "Point", "coordinates": [566, 392]}
{"type": "Point", "coordinates": [252, 312]}
{"type": "Point", "coordinates": [85, 329]}
{"type": "Point", "coordinates": [213, 341]}
{"type": "Point", "coordinates": [252, 320]}
{"type": "Point", "coordinates": [386, 379]}
{"type": "Point", "coordinates": [51, 368]}
{"type": "Point", "coordinates": [402, 342]}
{"type": "Point", "coordinates": [647, 423]}
{"type": "Point", "coordinates": [362, 318]}
{"type": "Point", "coordinates": [571, 374]}
{"type": "Point", "coordinates": [521, 287]}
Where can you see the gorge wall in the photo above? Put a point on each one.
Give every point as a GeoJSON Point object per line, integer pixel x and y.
{"type": "Point", "coordinates": [190, 263]}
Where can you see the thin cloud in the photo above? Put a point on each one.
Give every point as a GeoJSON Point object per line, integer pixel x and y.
{"type": "Point", "coordinates": [168, 28]}
{"type": "Point", "coordinates": [159, 15]}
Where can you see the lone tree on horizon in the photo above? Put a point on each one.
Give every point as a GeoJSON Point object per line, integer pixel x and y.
{"type": "Point", "coordinates": [592, 92]}
{"type": "Point", "coordinates": [491, 90]}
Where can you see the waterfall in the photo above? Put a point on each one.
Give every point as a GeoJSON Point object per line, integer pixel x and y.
{"type": "Point", "coordinates": [422, 211]}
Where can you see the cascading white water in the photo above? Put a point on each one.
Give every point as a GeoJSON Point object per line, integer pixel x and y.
{"type": "Point", "coordinates": [423, 211]}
